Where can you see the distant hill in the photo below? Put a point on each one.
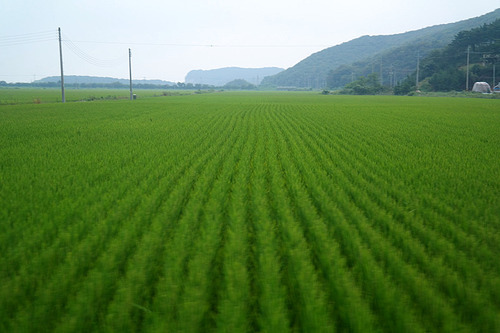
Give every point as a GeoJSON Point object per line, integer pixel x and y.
{"type": "Point", "coordinates": [367, 54]}
{"type": "Point", "coordinates": [75, 79]}
{"type": "Point", "coordinates": [445, 69]}
{"type": "Point", "coordinates": [221, 76]}
{"type": "Point", "coordinates": [240, 84]}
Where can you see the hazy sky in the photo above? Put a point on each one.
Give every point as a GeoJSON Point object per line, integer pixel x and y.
{"type": "Point", "coordinates": [170, 38]}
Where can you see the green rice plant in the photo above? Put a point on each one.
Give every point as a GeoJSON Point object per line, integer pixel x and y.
{"type": "Point", "coordinates": [233, 301]}
{"type": "Point", "coordinates": [273, 314]}
{"type": "Point", "coordinates": [249, 211]}
{"type": "Point", "coordinates": [311, 307]}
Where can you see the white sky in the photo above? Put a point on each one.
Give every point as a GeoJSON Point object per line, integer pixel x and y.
{"type": "Point", "coordinates": [170, 38]}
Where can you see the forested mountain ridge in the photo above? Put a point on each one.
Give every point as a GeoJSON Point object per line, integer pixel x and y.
{"type": "Point", "coordinates": [362, 55]}
{"type": "Point", "coordinates": [446, 69]}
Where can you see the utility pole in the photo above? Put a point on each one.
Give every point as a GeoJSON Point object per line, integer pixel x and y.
{"type": "Point", "coordinates": [494, 68]}
{"type": "Point", "coordinates": [467, 79]}
{"type": "Point", "coordinates": [130, 71]}
{"type": "Point", "coordinates": [62, 72]}
{"type": "Point", "coordinates": [418, 69]}
{"type": "Point", "coordinates": [391, 76]}
{"type": "Point", "coordinates": [493, 59]}
{"type": "Point", "coordinates": [381, 77]}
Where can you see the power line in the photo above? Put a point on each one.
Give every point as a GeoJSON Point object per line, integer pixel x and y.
{"type": "Point", "coordinates": [202, 45]}
{"type": "Point", "coordinates": [28, 35]}
{"type": "Point", "coordinates": [2, 44]}
{"type": "Point", "coordinates": [88, 58]}
{"type": "Point", "coordinates": [61, 59]}
{"type": "Point", "coordinates": [28, 38]}
{"type": "Point", "coordinates": [130, 72]}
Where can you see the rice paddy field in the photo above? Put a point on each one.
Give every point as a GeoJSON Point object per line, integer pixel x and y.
{"type": "Point", "coordinates": [13, 96]}
{"type": "Point", "coordinates": [251, 212]}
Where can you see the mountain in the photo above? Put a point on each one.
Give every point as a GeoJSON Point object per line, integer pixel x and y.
{"type": "Point", "coordinates": [221, 76]}
{"type": "Point", "coordinates": [446, 69]}
{"type": "Point", "coordinates": [75, 79]}
{"type": "Point", "coordinates": [368, 54]}
{"type": "Point", "coordinates": [239, 84]}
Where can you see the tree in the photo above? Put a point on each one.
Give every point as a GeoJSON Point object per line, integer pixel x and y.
{"type": "Point", "coordinates": [447, 80]}
{"type": "Point", "coordinates": [406, 86]}
{"type": "Point", "coordinates": [369, 85]}
{"type": "Point", "coordinates": [239, 84]}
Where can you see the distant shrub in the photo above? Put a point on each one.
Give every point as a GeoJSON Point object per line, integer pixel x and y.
{"type": "Point", "coordinates": [369, 85]}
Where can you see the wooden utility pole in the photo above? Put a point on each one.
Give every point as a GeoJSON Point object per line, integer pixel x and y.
{"type": "Point", "coordinates": [130, 72]}
{"type": "Point", "coordinates": [494, 79]}
{"type": "Point", "coordinates": [381, 73]}
{"type": "Point", "coordinates": [61, 61]}
{"type": "Point", "coordinates": [493, 59]}
{"type": "Point", "coordinates": [467, 79]}
{"type": "Point", "coordinates": [418, 69]}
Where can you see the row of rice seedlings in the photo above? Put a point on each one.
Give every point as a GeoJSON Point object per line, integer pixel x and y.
{"type": "Point", "coordinates": [49, 300]}
{"type": "Point", "coordinates": [362, 205]}
{"type": "Point", "coordinates": [87, 311]}
{"type": "Point", "coordinates": [382, 193]}
{"type": "Point", "coordinates": [467, 268]}
{"type": "Point", "coordinates": [121, 215]}
{"type": "Point", "coordinates": [124, 214]}
{"type": "Point", "coordinates": [233, 299]}
{"type": "Point", "coordinates": [50, 182]}
{"type": "Point", "coordinates": [180, 245]}
{"type": "Point", "coordinates": [133, 300]}
{"type": "Point", "coordinates": [464, 231]}
{"type": "Point", "coordinates": [203, 274]}
{"type": "Point", "coordinates": [350, 310]}
{"type": "Point", "coordinates": [45, 229]}
{"type": "Point", "coordinates": [87, 308]}
{"type": "Point", "coordinates": [391, 307]}
{"type": "Point", "coordinates": [21, 288]}
{"type": "Point", "coordinates": [68, 165]}
{"type": "Point", "coordinates": [471, 300]}
{"type": "Point", "coordinates": [309, 307]}
{"type": "Point", "coordinates": [432, 308]}
{"type": "Point", "coordinates": [272, 313]}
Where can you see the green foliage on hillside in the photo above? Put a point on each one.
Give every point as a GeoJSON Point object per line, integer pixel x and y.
{"type": "Point", "coordinates": [445, 69]}
{"type": "Point", "coordinates": [334, 67]}
{"type": "Point", "coordinates": [311, 72]}
{"type": "Point", "coordinates": [369, 85]}
{"type": "Point", "coordinates": [391, 66]}
{"type": "Point", "coordinates": [240, 84]}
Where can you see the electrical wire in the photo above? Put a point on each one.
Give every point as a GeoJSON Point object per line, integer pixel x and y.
{"type": "Point", "coordinates": [88, 58]}
{"type": "Point", "coordinates": [203, 45]}
{"type": "Point", "coordinates": [28, 38]}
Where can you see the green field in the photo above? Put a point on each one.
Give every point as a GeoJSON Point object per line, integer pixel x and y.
{"type": "Point", "coordinates": [10, 95]}
{"type": "Point", "coordinates": [245, 212]}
